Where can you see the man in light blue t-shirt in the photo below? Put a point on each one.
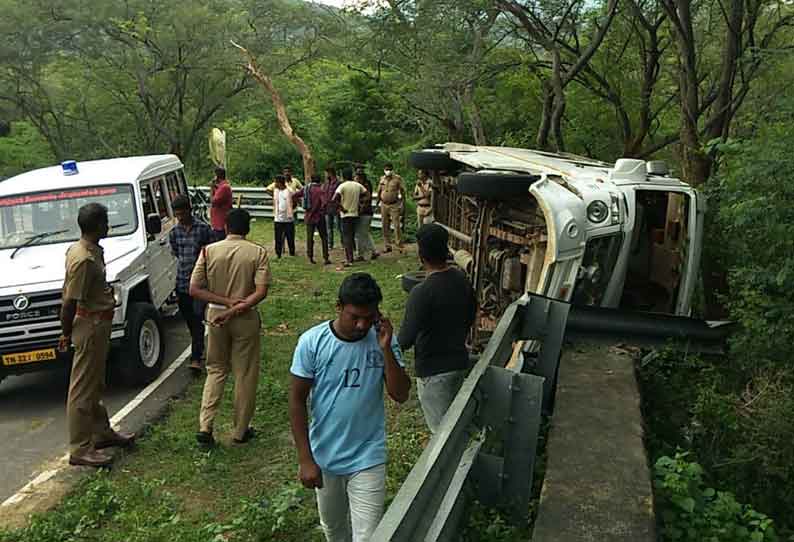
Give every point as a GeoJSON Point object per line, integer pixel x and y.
{"type": "Point", "coordinates": [344, 364]}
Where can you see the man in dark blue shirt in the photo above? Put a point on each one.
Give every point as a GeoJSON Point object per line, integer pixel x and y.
{"type": "Point", "coordinates": [187, 240]}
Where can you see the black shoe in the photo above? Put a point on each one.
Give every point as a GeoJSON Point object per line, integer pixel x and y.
{"type": "Point", "coordinates": [248, 435]}
{"type": "Point", "coordinates": [205, 439]}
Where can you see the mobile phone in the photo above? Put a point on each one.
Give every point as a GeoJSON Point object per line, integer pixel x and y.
{"type": "Point", "coordinates": [377, 322]}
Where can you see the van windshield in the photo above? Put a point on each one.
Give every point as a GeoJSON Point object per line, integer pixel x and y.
{"type": "Point", "coordinates": [41, 218]}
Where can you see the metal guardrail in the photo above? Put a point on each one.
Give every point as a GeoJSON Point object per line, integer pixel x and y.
{"type": "Point", "coordinates": [259, 202]}
{"type": "Point", "coordinates": [498, 409]}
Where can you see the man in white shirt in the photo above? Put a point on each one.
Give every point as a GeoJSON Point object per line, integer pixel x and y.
{"type": "Point", "coordinates": [348, 195]}
{"type": "Point", "coordinates": [283, 216]}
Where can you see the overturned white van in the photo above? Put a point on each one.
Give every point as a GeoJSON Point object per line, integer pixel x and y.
{"type": "Point", "coordinates": [38, 222]}
{"type": "Point", "coordinates": [624, 235]}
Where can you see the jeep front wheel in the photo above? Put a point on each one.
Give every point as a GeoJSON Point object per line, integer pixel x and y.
{"type": "Point", "coordinates": [141, 356]}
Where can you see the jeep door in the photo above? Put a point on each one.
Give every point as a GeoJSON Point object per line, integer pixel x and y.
{"type": "Point", "coordinates": [658, 266]}
{"type": "Point", "coordinates": [160, 263]}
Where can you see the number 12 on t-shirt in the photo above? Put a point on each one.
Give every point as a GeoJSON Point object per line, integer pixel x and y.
{"type": "Point", "coordinates": [352, 377]}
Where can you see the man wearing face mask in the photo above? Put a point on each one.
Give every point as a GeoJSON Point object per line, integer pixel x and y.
{"type": "Point", "coordinates": [344, 364]}
{"type": "Point", "coordinates": [391, 195]}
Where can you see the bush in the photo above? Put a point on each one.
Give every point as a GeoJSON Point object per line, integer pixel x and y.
{"type": "Point", "coordinates": [692, 511]}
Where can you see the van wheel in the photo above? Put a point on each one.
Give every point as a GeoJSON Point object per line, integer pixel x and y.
{"type": "Point", "coordinates": [497, 185]}
{"type": "Point", "coordinates": [433, 160]}
{"type": "Point", "coordinates": [411, 279]}
{"type": "Point", "coordinates": [141, 357]}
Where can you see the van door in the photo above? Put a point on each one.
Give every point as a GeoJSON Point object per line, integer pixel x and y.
{"type": "Point", "coordinates": [694, 250]}
{"type": "Point", "coordinates": [565, 216]}
{"type": "Point", "coordinates": [161, 264]}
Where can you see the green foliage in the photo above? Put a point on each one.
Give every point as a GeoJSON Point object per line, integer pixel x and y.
{"type": "Point", "coordinates": [484, 524]}
{"type": "Point", "coordinates": [755, 195]}
{"type": "Point", "coordinates": [693, 512]}
{"type": "Point", "coordinates": [23, 149]}
{"type": "Point", "coordinates": [93, 502]}
{"type": "Point", "coordinates": [359, 119]}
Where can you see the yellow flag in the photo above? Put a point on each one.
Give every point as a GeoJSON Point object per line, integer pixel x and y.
{"type": "Point", "coordinates": [218, 147]}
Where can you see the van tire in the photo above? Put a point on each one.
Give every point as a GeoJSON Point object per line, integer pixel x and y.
{"type": "Point", "coordinates": [411, 279]}
{"type": "Point", "coordinates": [434, 161]}
{"type": "Point", "coordinates": [140, 358]}
{"type": "Point", "coordinates": [495, 185]}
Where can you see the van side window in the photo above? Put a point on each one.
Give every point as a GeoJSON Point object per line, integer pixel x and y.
{"type": "Point", "coordinates": [160, 198]}
{"type": "Point", "coordinates": [148, 201]}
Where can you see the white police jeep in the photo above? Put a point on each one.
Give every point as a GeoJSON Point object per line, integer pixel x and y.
{"type": "Point", "coordinates": [38, 222]}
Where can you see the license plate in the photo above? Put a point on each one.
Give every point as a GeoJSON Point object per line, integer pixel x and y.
{"type": "Point", "coordinates": [29, 357]}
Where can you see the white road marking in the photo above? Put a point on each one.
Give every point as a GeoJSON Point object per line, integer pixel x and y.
{"type": "Point", "coordinates": [63, 462]}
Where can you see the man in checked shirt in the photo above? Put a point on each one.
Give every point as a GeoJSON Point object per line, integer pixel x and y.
{"type": "Point", "coordinates": [187, 239]}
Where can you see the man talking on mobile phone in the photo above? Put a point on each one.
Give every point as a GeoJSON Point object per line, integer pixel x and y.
{"type": "Point", "coordinates": [344, 364]}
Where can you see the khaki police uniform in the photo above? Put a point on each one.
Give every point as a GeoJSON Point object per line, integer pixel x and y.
{"type": "Point", "coordinates": [294, 185]}
{"type": "Point", "coordinates": [85, 282]}
{"type": "Point", "coordinates": [390, 189]}
{"type": "Point", "coordinates": [423, 194]}
{"type": "Point", "coordinates": [232, 268]}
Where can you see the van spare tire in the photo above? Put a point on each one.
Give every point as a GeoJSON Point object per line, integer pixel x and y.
{"type": "Point", "coordinates": [499, 185]}
{"type": "Point", "coordinates": [434, 160]}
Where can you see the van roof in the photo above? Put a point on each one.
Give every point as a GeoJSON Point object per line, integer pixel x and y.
{"type": "Point", "coordinates": [92, 173]}
{"type": "Point", "coordinates": [577, 170]}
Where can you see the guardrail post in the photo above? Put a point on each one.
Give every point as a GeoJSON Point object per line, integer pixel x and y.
{"type": "Point", "coordinates": [543, 327]}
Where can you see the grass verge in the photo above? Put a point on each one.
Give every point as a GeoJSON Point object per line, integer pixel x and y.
{"type": "Point", "coordinates": [169, 490]}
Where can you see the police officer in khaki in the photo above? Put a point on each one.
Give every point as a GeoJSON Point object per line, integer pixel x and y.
{"type": "Point", "coordinates": [233, 277]}
{"type": "Point", "coordinates": [391, 195]}
{"type": "Point", "coordinates": [86, 318]}
{"type": "Point", "coordinates": [423, 195]}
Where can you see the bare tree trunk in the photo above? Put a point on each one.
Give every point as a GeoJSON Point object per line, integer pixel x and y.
{"type": "Point", "coordinates": [475, 120]}
{"type": "Point", "coordinates": [559, 100]}
{"type": "Point", "coordinates": [544, 129]}
{"type": "Point", "coordinates": [309, 164]}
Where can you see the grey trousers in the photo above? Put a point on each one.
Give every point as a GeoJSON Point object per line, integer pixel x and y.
{"type": "Point", "coordinates": [436, 393]}
{"type": "Point", "coordinates": [364, 241]}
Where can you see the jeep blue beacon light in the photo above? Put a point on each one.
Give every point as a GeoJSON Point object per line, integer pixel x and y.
{"type": "Point", "coordinates": [69, 167]}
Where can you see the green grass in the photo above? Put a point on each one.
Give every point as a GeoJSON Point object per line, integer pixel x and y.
{"type": "Point", "coordinates": [169, 490]}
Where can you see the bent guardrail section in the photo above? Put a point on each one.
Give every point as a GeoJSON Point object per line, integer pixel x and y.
{"type": "Point", "coordinates": [495, 405]}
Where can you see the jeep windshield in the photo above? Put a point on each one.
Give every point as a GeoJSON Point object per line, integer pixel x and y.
{"type": "Point", "coordinates": [42, 218]}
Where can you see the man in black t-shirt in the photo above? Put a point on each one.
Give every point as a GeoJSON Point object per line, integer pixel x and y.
{"type": "Point", "coordinates": [439, 313]}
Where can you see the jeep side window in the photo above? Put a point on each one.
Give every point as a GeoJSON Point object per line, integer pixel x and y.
{"type": "Point", "coordinates": [182, 181]}
{"type": "Point", "coordinates": [160, 199]}
{"type": "Point", "coordinates": [174, 186]}
{"type": "Point", "coordinates": [148, 201]}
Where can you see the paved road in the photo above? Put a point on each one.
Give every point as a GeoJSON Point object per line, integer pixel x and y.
{"type": "Point", "coordinates": [33, 415]}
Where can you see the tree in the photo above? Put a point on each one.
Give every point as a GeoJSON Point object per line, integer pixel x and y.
{"type": "Point", "coordinates": [553, 34]}
{"type": "Point", "coordinates": [626, 73]}
{"type": "Point", "coordinates": [713, 90]}
{"type": "Point", "coordinates": [439, 53]}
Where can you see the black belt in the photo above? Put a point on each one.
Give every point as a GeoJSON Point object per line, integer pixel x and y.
{"type": "Point", "coordinates": [423, 205]}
